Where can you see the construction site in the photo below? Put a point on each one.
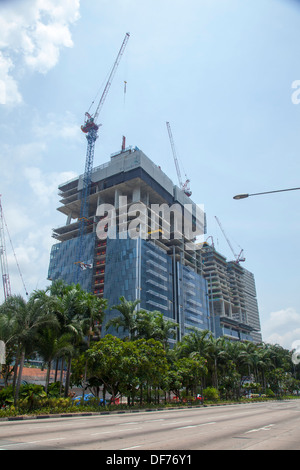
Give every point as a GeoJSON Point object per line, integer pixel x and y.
{"type": "Point", "coordinates": [144, 250]}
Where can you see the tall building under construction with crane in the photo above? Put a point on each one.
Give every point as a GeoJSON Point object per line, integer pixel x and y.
{"type": "Point", "coordinates": [131, 232]}
{"type": "Point", "coordinates": [146, 253]}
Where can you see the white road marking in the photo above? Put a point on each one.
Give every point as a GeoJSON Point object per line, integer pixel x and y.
{"type": "Point", "coordinates": [131, 429]}
{"type": "Point", "coordinates": [103, 432]}
{"type": "Point", "coordinates": [34, 442]}
{"type": "Point", "coordinates": [178, 422]}
{"type": "Point", "coordinates": [128, 448]}
{"type": "Point", "coordinates": [196, 425]}
{"type": "Point", "coordinates": [264, 428]}
{"type": "Point", "coordinates": [133, 422]}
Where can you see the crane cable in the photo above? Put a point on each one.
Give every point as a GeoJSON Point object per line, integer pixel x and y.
{"type": "Point", "coordinates": [14, 254]}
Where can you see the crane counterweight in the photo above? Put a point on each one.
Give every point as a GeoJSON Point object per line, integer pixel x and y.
{"type": "Point", "coordinates": [89, 124]}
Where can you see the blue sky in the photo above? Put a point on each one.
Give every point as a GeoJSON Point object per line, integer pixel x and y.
{"type": "Point", "coordinates": [220, 71]}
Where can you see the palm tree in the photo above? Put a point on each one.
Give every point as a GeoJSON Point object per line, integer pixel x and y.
{"type": "Point", "coordinates": [8, 330]}
{"type": "Point", "coordinates": [93, 314]}
{"type": "Point", "coordinates": [127, 319]}
{"type": "Point", "coordinates": [163, 329]}
{"type": "Point", "coordinates": [216, 353]}
{"type": "Point", "coordinates": [70, 308]}
{"type": "Point", "coordinates": [51, 345]}
{"type": "Point", "coordinates": [261, 361]}
{"type": "Point", "coordinates": [154, 325]}
{"type": "Point", "coordinates": [27, 318]}
{"type": "Point", "coordinates": [80, 314]}
{"type": "Point", "coordinates": [196, 341]}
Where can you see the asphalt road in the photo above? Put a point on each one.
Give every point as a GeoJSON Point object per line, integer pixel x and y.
{"type": "Point", "coordinates": [261, 426]}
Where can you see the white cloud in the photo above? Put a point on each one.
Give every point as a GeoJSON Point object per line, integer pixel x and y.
{"type": "Point", "coordinates": [44, 186]}
{"type": "Point", "coordinates": [32, 253]}
{"type": "Point", "coordinates": [32, 33]}
{"type": "Point", "coordinates": [30, 230]}
{"type": "Point", "coordinates": [9, 93]}
{"type": "Point", "coordinates": [53, 126]}
{"type": "Point", "coordinates": [282, 327]}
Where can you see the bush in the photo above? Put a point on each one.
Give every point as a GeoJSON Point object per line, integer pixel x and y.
{"type": "Point", "coordinates": [6, 396]}
{"type": "Point", "coordinates": [211, 393]}
{"type": "Point", "coordinates": [55, 389]}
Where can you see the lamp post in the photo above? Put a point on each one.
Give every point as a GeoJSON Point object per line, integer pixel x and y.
{"type": "Point", "coordinates": [243, 196]}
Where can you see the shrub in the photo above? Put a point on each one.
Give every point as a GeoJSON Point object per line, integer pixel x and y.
{"type": "Point", "coordinates": [211, 393]}
{"type": "Point", "coordinates": [55, 389]}
{"type": "Point", "coordinates": [6, 396]}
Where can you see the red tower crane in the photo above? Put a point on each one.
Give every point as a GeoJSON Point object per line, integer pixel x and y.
{"type": "Point", "coordinates": [185, 187]}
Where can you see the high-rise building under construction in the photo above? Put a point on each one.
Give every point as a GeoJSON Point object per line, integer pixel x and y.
{"type": "Point", "coordinates": [141, 243]}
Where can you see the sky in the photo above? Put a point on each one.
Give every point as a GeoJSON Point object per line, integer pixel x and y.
{"type": "Point", "coordinates": [224, 73]}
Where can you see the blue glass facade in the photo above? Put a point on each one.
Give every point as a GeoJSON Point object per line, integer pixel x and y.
{"type": "Point", "coordinates": [63, 259]}
{"type": "Point", "coordinates": [139, 269]}
{"type": "Point", "coordinates": [121, 275]}
{"type": "Point", "coordinates": [156, 280]}
{"type": "Point", "coordinates": [192, 299]}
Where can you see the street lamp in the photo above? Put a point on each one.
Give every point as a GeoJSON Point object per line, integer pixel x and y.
{"type": "Point", "coordinates": [243, 196]}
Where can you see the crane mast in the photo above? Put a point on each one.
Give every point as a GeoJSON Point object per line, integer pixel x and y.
{"type": "Point", "coordinates": [3, 257]}
{"type": "Point", "coordinates": [238, 258]}
{"type": "Point", "coordinates": [90, 128]}
{"type": "Point", "coordinates": [185, 187]}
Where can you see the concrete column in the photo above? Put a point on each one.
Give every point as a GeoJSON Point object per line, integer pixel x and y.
{"type": "Point", "coordinates": [100, 200]}
{"type": "Point", "coordinates": [69, 218]}
{"type": "Point", "coordinates": [118, 193]}
{"type": "Point", "coordinates": [136, 194]}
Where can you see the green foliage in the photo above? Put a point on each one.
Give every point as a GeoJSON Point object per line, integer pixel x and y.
{"type": "Point", "coordinates": [63, 323]}
{"type": "Point", "coordinates": [124, 366]}
{"type": "Point", "coordinates": [54, 390]}
{"type": "Point", "coordinates": [6, 396]}
{"type": "Point", "coordinates": [211, 394]}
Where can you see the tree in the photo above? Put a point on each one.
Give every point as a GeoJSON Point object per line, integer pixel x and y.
{"type": "Point", "coordinates": [188, 373]}
{"type": "Point", "coordinates": [196, 341]}
{"type": "Point", "coordinates": [70, 309]}
{"type": "Point", "coordinates": [25, 318]}
{"type": "Point", "coordinates": [127, 319]}
{"type": "Point", "coordinates": [51, 344]}
{"type": "Point", "coordinates": [163, 329]}
{"type": "Point", "coordinates": [152, 365]}
{"type": "Point", "coordinates": [105, 361]}
{"type": "Point", "coordinates": [93, 313]}
{"type": "Point", "coordinates": [154, 325]}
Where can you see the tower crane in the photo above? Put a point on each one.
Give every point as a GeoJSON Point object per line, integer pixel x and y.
{"type": "Point", "coordinates": [238, 258]}
{"type": "Point", "coordinates": [185, 187]}
{"type": "Point", "coordinates": [3, 257]}
{"type": "Point", "coordinates": [90, 128]}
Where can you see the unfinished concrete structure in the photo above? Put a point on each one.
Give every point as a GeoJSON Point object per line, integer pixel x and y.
{"type": "Point", "coordinates": [232, 297]}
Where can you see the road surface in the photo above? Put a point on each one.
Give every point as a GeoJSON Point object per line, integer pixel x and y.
{"type": "Point", "coordinates": [254, 426]}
